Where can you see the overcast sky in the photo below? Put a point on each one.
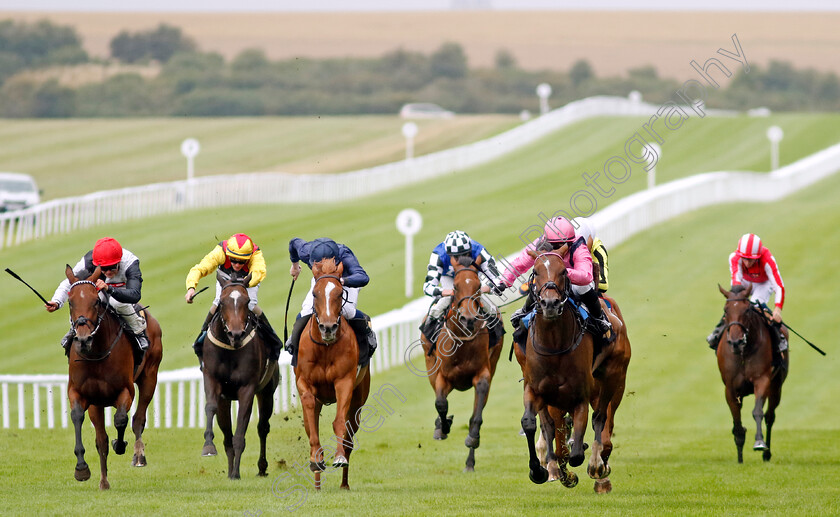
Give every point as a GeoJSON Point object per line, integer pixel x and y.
{"type": "Point", "coordinates": [411, 5]}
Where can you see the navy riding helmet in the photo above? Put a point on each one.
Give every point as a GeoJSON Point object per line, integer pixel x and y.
{"type": "Point", "coordinates": [323, 248]}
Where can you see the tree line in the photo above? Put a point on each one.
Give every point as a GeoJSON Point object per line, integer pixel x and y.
{"type": "Point", "coordinates": [196, 83]}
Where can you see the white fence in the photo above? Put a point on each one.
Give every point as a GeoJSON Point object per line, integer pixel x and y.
{"type": "Point", "coordinates": [69, 214]}
{"type": "Point", "coordinates": [179, 398]}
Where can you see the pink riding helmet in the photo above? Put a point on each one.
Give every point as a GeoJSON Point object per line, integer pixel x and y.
{"type": "Point", "coordinates": [559, 229]}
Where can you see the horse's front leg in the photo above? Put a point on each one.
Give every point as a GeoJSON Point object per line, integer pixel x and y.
{"type": "Point", "coordinates": [579, 417]}
{"type": "Point", "coordinates": [761, 387]}
{"type": "Point", "coordinates": [443, 423]}
{"type": "Point", "coordinates": [562, 427]}
{"type": "Point", "coordinates": [265, 401]}
{"type": "Point", "coordinates": [146, 384]}
{"type": "Point", "coordinates": [738, 430]}
{"type": "Point", "coordinates": [770, 416]}
{"type": "Point", "coordinates": [597, 468]}
{"type": "Point", "coordinates": [123, 404]}
{"type": "Point", "coordinates": [243, 418]}
{"type": "Point", "coordinates": [481, 385]}
{"type": "Point", "coordinates": [547, 432]}
{"type": "Point", "coordinates": [344, 396]}
{"type": "Point", "coordinates": [533, 404]}
{"type": "Point", "coordinates": [223, 417]}
{"type": "Point", "coordinates": [311, 413]}
{"type": "Point", "coordinates": [77, 416]}
{"type": "Point", "coordinates": [212, 393]}
{"type": "Point", "coordinates": [97, 418]}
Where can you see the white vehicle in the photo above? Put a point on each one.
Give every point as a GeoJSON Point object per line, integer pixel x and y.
{"type": "Point", "coordinates": [424, 110]}
{"type": "Point", "coordinates": [17, 191]}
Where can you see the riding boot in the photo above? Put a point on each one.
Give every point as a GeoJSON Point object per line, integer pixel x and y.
{"type": "Point", "coordinates": [140, 349]}
{"type": "Point", "coordinates": [365, 335]}
{"type": "Point", "coordinates": [431, 327]}
{"type": "Point", "coordinates": [520, 333]}
{"type": "Point", "coordinates": [198, 345]}
{"type": "Point", "coordinates": [294, 339]}
{"type": "Point", "coordinates": [780, 345]}
{"type": "Point", "coordinates": [599, 319]}
{"type": "Point", "coordinates": [714, 337]}
{"type": "Point", "coordinates": [67, 340]}
{"type": "Point", "coordinates": [272, 340]}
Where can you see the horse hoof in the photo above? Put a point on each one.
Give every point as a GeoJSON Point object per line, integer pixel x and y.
{"type": "Point", "coordinates": [138, 461]}
{"type": "Point", "coordinates": [603, 486]}
{"type": "Point", "coordinates": [439, 435]}
{"type": "Point", "coordinates": [472, 442]}
{"type": "Point", "coordinates": [104, 485]}
{"type": "Point", "coordinates": [766, 455]}
{"type": "Point", "coordinates": [576, 460]}
{"type": "Point", "coordinates": [209, 450]}
{"type": "Point", "coordinates": [119, 446]}
{"type": "Point", "coordinates": [469, 469]}
{"type": "Point", "coordinates": [571, 480]}
{"type": "Point", "coordinates": [759, 445]}
{"type": "Point", "coordinates": [82, 474]}
{"type": "Point", "coordinates": [340, 461]}
{"type": "Point", "coordinates": [538, 476]}
{"type": "Point", "coordinates": [317, 467]}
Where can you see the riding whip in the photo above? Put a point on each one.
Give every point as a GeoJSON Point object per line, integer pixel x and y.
{"type": "Point", "coordinates": [815, 347]}
{"type": "Point", "coordinates": [286, 317]}
{"type": "Point", "coordinates": [27, 285]}
{"type": "Point", "coordinates": [198, 293]}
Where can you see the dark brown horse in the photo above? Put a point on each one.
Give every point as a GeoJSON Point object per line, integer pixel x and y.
{"type": "Point", "coordinates": [461, 358]}
{"type": "Point", "coordinates": [102, 374]}
{"type": "Point", "coordinates": [557, 370]}
{"type": "Point", "coordinates": [746, 367]}
{"type": "Point", "coordinates": [237, 367]}
{"type": "Point", "coordinates": [327, 371]}
{"type": "Point", "coordinates": [610, 374]}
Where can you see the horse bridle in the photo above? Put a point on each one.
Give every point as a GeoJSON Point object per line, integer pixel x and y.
{"type": "Point", "coordinates": [102, 309]}
{"type": "Point", "coordinates": [344, 299]}
{"type": "Point", "coordinates": [537, 293]}
{"type": "Point", "coordinates": [745, 338]}
{"type": "Point", "coordinates": [251, 317]}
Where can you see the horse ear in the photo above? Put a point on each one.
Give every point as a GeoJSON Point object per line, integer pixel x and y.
{"type": "Point", "coordinates": [247, 280]}
{"type": "Point", "coordinates": [95, 275]}
{"type": "Point", "coordinates": [222, 278]}
{"type": "Point", "coordinates": [723, 291]}
{"type": "Point", "coordinates": [69, 272]}
{"type": "Point", "coordinates": [316, 269]}
{"type": "Point", "coordinates": [747, 291]}
{"type": "Point", "coordinates": [340, 269]}
{"type": "Point", "coordinates": [531, 253]}
{"type": "Point", "coordinates": [453, 261]}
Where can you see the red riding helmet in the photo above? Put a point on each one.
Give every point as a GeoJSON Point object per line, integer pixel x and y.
{"type": "Point", "coordinates": [107, 252]}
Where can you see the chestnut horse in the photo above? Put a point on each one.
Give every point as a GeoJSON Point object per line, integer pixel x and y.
{"type": "Point", "coordinates": [102, 374]}
{"type": "Point", "coordinates": [237, 367]}
{"type": "Point", "coordinates": [327, 371]}
{"type": "Point", "coordinates": [557, 370]}
{"type": "Point", "coordinates": [746, 367]}
{"type": "Point", "coordinates": [461, 358]}
{"type": "Point", "coordinates": [610, 374]}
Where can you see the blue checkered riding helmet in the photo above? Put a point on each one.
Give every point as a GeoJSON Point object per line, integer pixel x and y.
{"type": "Point", "coordinates": [457, 243]}
{"type": "Point", "coordinates": [323, 248]}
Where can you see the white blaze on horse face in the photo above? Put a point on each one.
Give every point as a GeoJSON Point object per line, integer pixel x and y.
{"type": "Point", "coordinates": [235, 295]}
{"type": "Point", "coordinates": [545, 263]}
{"type": "Point", "coordinates": [327, 290]}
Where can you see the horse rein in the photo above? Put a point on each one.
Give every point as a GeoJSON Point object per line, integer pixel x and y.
{"type": "Point", "coordinates": [81, 320]}
{"type": "Point", "coordinates": [564, 298]}
{"type": "Point", "coordinates": [251, 322]}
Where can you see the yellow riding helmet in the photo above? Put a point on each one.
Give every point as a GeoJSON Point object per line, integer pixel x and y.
{"type": "Point", "coordinates": [239, 247]}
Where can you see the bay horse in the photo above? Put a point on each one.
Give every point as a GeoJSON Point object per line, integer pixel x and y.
{"type": "Point", "coordinates": [327, 371]}
{"type": "Point", "coordinates": [746, 367]}
{"type": "Point", "coordinates": [610, 373]}
{"type": "Point", "coordinates": [102, 373]}
{"type": "Point", "coordinates": [460, 357]}
{"type": "Point", "coordinates": [237, 367]}
{"type": "Point", "coordinates": [557, 370]}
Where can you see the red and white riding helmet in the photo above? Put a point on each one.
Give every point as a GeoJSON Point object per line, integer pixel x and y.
{"type": "Point", "coordinates": [559, 229]}
{"type": "Point", "coordinates": [749, 246]}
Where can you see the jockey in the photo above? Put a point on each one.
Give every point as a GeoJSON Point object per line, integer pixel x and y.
{"type": "Point", "coordinates": [238, 254]}
{"type": "Point", "coordinates": [586, 230]}
{"type": "Point", "coordinates": [559, 235]}
{"type": "Point", "coordinates": [440, 281]}
{"type": "Point", "coordinates": [353, 278]}
{"type": "Point", "coordinates": [753, 264]}
{"type": "Point", "coordinates": [122, 283]}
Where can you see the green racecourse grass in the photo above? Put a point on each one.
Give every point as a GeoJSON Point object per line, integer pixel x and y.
{"type": "Point", "coordinates": [76, 156]}
{"type": "Point", "coordinates": [674, 450]}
